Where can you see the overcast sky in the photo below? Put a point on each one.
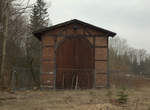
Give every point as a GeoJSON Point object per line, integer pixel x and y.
{"type": "Point", "coordinates": [130, 19]}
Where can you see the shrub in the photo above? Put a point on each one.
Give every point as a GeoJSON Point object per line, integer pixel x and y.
{"type": "Point", "coordinates": [122, 96]}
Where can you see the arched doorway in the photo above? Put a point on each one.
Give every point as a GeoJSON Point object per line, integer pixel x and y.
{"type": "Point", "coordinates": [74, 64]}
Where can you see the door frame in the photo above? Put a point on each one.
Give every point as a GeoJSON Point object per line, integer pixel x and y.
{"type": "Point", "coordinates": [59, 43]}
{"type": "Point", "coordinates": [71, 37]}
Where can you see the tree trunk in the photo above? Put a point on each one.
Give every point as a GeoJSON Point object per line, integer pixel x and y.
{"type": "Point", "coordinates": [5, 36]}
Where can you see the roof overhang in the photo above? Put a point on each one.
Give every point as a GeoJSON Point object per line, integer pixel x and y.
{"type": "Point", "coordinates": [40, 32]}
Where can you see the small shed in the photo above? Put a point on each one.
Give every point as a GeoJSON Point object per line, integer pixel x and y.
{"type": "Point", "coordinates": [74, 55]}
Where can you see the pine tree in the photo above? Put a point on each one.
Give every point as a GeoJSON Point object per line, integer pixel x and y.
{"type": "Point", "coordinates": [39, 17]}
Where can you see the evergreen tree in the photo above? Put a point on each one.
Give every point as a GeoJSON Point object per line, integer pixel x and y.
{"type": "Point", "coordinates": [38, 19]}
{"type": "Point", "coordinates": [39, 16]}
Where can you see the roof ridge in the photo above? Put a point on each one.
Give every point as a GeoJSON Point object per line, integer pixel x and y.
{"type": "Point", "coordinates": [39, 32]}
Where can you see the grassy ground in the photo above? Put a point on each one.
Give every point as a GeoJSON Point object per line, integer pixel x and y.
{"type": "Point", "coordinates": [101, 99]}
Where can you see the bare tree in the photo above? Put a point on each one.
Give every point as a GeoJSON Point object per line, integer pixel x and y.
{"type": "Point", "coordinates": [5, 20]}
{"type": "Point", "coordinates": [8, 13]}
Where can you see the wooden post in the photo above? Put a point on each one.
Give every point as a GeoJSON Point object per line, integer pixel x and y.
{"type": "Point", "coordinates": [76, 85]}
{"type": "Point", "coordinates": [73, 79]}
{"type": "Point", "coordinates": [63, 80]}
{"type": "Point", "coordinates": [108, 72]}
{"type": "Point", "coordinates": [94, 71]}
{"type": "Point", "coordinates": [55, 65]}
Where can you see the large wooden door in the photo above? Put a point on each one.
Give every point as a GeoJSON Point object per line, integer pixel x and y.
{"type": "Point", "coordinates": [74, 64]}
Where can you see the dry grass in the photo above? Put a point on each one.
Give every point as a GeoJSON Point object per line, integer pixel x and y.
{"type": "Point", "coordinates": [133, 81]}
{"type": "Point", "coordinates": [139, 99]}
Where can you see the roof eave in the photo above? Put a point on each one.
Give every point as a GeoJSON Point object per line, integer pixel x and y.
{"type": "Point", "coordinates": [39, 33]}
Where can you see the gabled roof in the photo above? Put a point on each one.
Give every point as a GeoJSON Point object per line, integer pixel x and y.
{"type": "Point", "coordinates": [38, 33]}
